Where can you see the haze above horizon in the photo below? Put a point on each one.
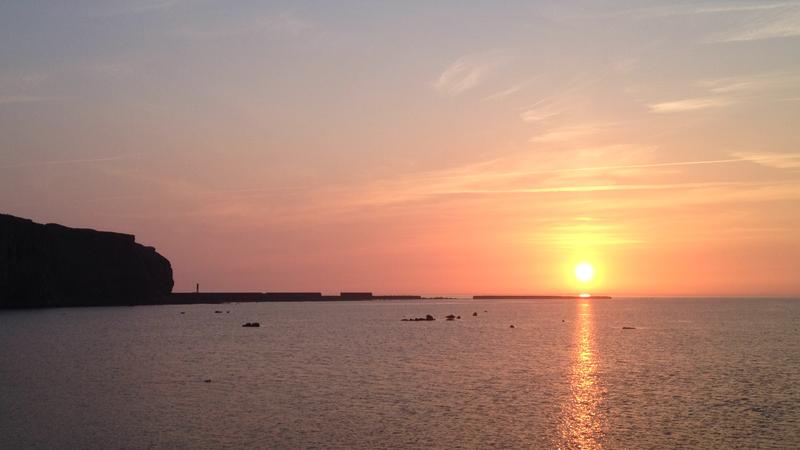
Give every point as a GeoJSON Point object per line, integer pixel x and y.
{"type": "Point", "coordinates": [459, 147]}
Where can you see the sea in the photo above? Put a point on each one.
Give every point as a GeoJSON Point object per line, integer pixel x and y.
{"type": "Point", "coordinates": [624, 373]}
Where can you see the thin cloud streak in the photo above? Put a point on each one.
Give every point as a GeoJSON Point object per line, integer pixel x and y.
{"type": "Point", "coordinates": [13, 99]}
{"type": "Point", "coordinates": [467, 73]}
{"type": "Point", "coordinates": [283, 24]}
{"type": "Point", "coordinates": [690, 104]}
{"type": "Point", "coordinates": [782, 22]}
{"type": "Point", "coordinates": [66, 162]}
{"type": "Point", "coordinates": [135, 8]}
{"type": "Point", "coordinates": [659, 12]}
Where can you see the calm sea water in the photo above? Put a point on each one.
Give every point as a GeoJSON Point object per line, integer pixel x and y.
{"type": "Point", "coordinates": [713, 373]}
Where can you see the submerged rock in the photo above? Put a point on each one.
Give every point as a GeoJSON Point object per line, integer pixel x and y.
{"type": "Point", "coordinates": [427, 318]}
{"type": "Point", "coordinates": [475, 314]}
{"type": "Point", "coordinates": [450, 317]}
{"type": "Point", "coordinates": [252, 324]}
{"type": "Point", "coordinates": [628, 328]}
{"type": "Point", "coordinates": [512, 326]}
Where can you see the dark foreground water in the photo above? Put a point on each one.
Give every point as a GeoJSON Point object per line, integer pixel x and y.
{"type": "Point", "coordinates": [714, 373]}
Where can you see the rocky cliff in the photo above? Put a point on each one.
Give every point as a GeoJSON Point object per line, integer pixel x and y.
{"type": "Point", "coordinates": [52, 265]}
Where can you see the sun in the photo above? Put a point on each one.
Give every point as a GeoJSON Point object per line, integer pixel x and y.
{"type": "Point", "coordinates": [584, 272]}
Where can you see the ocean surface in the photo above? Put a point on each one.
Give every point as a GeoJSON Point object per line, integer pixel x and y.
{"type": "Point", "coordinates": [694, 373]}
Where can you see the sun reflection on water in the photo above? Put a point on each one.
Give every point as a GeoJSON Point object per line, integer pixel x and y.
{"type": "Point", "coordinates": [583, 420]}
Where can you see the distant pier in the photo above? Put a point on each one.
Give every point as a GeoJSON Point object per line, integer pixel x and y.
{"type": "Point", "coordinates": [245, 297]}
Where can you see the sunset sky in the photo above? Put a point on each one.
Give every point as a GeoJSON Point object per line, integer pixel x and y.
{"type": "Point", "coordinates": [451, 147]}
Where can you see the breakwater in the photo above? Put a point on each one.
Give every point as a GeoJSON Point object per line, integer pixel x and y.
{"type": "Point", "coordinates": [244, 297]}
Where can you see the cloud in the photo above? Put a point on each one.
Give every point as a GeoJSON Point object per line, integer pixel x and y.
{"type": "Point", "coordinates": [726, 91]}
{"type": "Point", "coordinates": [751, 21]}
{"type": "Point", "coordinates": [61, 162]}
{"type": "Point", "coordinates": [505, 92]}
{"type": "Point", "coordinates": [749, 83]}
{"type": "Point", "coordinates": [772, 160]}
{"type": "Point", "coordinates": [781, 21]}
{"type": "Point", "coordinates": [546, 176]}
{"type": "Point", "coordinates": [12, 99]}
{"type": "Point", "coordinates": [540, 113]}
{"type": "Point", "coordinates": [133, 8]}
{"type": "Point", "coordinates": [572, 132]}
{"type": "Point", "coordinates": [283, 24]}
{"type": "Point", "coordinates": [695, 9]}
{"type": "Point", "coordinates": [467, 73]}
{"type": "Point", "coordinates": [690, 104]}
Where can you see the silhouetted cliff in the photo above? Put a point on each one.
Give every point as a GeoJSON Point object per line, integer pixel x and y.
{"type": "Point", "coordinates": [53, 265]}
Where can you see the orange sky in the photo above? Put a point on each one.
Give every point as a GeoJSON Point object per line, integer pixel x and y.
{"type": "Point", "coordinates": [435, 149]}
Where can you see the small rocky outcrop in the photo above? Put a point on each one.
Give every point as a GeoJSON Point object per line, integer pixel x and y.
{"type": "Point", "coordinates": [450, 317]}
{"type": "Point", "coordinates": [55, 266]}
{"type": "Point", "coordinates": [251, 325]}
{"type": "Point", "coordinates": [427, 318]}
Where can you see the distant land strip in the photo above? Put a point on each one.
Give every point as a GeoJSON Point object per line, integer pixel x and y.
{"type": "Point", "coordinates": [247, 297]}
{"type": "Point", "coordinates": [537, 297]}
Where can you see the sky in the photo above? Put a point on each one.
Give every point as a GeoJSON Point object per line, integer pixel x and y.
{"type": "Point", "coordinates": [440, 148]}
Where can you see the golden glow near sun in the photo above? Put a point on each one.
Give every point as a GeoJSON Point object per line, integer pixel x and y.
{"type": "Point", "coordinates": [584, 272]}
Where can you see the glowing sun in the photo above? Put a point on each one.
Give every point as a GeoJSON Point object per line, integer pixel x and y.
{"type": "Point", "coordinates": [584, 272]}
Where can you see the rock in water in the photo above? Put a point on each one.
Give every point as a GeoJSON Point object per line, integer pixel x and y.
{"type": "Point", "coordinates": [54, 266]}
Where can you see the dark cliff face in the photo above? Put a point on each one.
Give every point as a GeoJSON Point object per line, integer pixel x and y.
{"type": "Point", "coordinates": [52, 265]}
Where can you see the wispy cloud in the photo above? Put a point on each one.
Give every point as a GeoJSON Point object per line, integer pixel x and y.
{"type": "Point", "coordinates": [702, 8]}
{"type": "Point", "coordinates": [12, 99]}
{"type": "Point", "coordinates": [503, 177]}
{"type": "Point", "coordinates": [772, 160]}
{"type": "Point", "coordinates": [282, 24]}
{"type": "Point", "coordinates": [726, 91]}
{"type": "Point", "coordinates": [61, 162]}
{"type": "Point", "coordinates": [572, 132]}
{"type": "Point", "coordinates": [751, 21]}
{"type": "Point", "coordinates": [467, 72]}
{"type": "Point", "coordinates": [780, 21]}
{"type": "Point", "coordinates": [115, 9]}
{"type": "Point", "coordinates": [505, 92]}
{"type": "Point", "coordinates": [540, 113]}
{"type": "Point", "coordinates": [690, 104]}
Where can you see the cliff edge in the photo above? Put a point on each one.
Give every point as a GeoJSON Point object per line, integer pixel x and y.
{"type": "Point", "coordinates": [53, 265]}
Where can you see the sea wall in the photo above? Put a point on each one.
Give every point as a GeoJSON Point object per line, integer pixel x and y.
{"type": "Point", "coordinates": [53, 266]}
